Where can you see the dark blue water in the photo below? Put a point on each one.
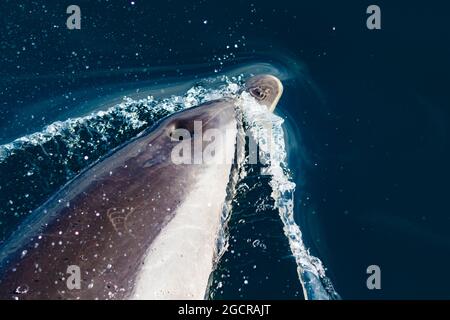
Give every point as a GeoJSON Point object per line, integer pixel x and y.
{"type": "Point", "coordinates": [367, 115]}
{"type": "Point", "coordinates": [258, 250]}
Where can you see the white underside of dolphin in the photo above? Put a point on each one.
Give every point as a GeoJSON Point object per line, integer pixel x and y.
{"type": "Point", "coordinates": [180, 260]}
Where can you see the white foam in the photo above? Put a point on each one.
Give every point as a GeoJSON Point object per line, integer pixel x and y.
{"type": "Point", "coordinates": [267, 130]}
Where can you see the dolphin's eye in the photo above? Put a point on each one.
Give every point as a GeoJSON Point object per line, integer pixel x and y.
{"type": "Point", "coordinates": [259, 93]}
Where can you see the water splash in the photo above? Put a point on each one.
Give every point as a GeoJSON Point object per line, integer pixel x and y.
{"type": "Point", "coordinates": [266, 128]}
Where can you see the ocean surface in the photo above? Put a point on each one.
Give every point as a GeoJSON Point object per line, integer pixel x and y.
{"type": "Point", "coordinates": [363, 128]}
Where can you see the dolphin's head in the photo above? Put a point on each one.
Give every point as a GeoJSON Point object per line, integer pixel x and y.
{"type": "Point", "coordinates": [266, 89]}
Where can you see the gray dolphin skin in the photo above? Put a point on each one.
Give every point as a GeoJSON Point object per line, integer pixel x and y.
{"type": "Point", "coordinates": [136, 224]}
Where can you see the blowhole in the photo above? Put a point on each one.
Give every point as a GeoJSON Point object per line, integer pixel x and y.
{"type": "Point", "coordinates": [180, 130]}
{"type": "Point", "coordinates": [259, 93]}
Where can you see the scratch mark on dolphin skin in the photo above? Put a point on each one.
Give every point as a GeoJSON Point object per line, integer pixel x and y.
{"type": "Point", "coordinates": [118, 219]}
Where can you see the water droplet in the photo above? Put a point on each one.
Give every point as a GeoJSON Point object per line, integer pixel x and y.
{"type": "Point", "coordinates": [22, 289]}
{"type": "Point", "coordinates": [256, 243]}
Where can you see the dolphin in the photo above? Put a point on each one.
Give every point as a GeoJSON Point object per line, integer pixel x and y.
{"type": "Point", "coordinates": [141, 223]}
